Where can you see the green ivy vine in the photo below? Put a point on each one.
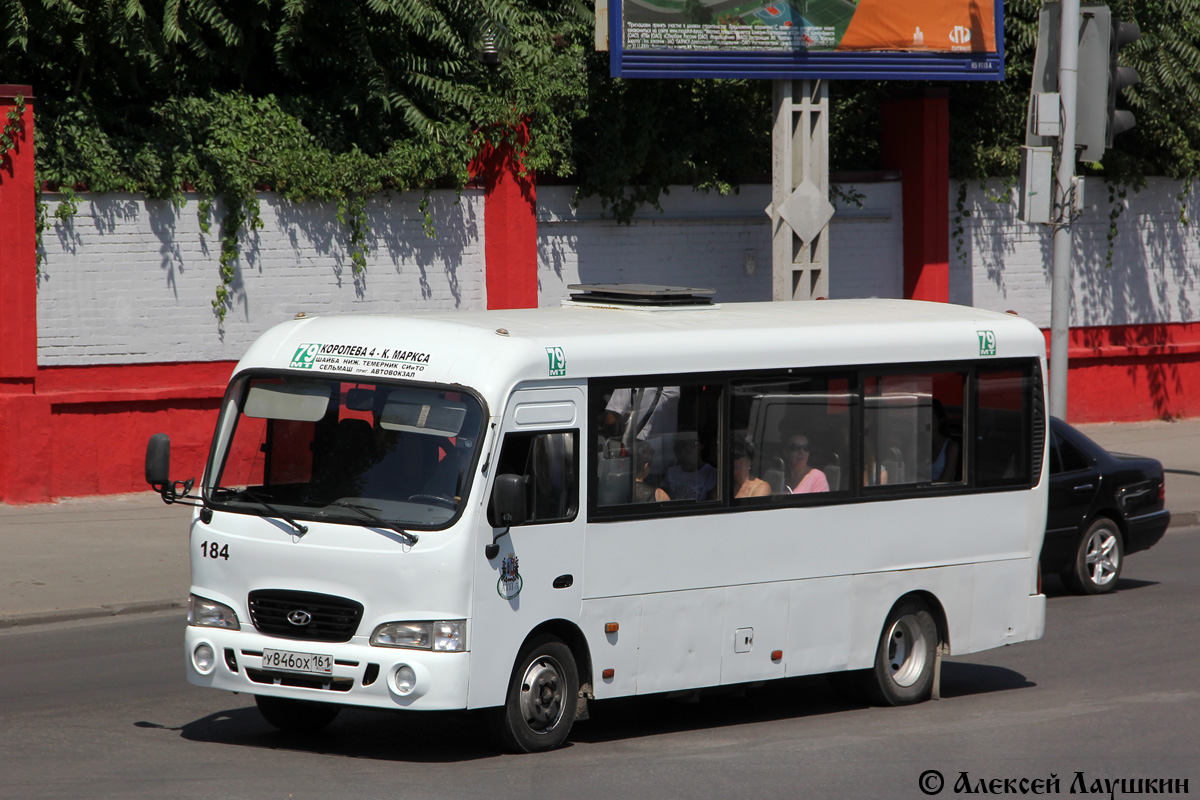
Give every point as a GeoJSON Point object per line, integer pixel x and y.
{"type": "Point", "coordinates": [12, 127]}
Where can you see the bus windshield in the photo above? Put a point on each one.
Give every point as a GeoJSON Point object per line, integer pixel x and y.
{"type": "Point", "coordinates": [357, 452]}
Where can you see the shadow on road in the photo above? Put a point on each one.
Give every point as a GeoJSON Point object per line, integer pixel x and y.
{"type": "Point", "coordinates": [1052, 587]}
{"type": "Point", "coordinates": [437, 737]}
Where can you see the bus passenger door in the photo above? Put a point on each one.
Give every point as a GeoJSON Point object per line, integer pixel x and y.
{"type": "Point", "coordinates": [537, 572]}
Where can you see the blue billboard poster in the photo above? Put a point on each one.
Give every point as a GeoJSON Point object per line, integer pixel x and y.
{"type": "Point", "coordinates": [927, 39]}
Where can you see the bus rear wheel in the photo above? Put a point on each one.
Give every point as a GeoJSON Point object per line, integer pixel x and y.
{"type": "Point", "coordinates": [301, 717]}
{"type": "Point", "coordinates": [542, 695]}
{"type": "Point", "coordinates": [904, 662]}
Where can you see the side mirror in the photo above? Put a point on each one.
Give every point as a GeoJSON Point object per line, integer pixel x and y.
{"type": "Point", "coordinates": [158, 460]}
{"type": "Point", "coordinates": [158, 470]}
{"type": "Point", "coordinates": [509, 497]}
{"type": "Point", "coordinates": [509, 507]}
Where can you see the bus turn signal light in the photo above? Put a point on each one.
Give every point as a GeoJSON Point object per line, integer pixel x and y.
{"type": "Point", "coordinates": [611, 627]}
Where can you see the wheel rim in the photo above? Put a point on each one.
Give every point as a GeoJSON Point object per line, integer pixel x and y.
{"type": "Point", "coordinates": [542, 694]}
{"type": "Point", "coordinates": [907, 650]}
{"type": "Point", "coordinates": [1103, 557]}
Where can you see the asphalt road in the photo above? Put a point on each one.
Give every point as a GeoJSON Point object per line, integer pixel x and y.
{"type": "Point", "coordinates": [101, 709]}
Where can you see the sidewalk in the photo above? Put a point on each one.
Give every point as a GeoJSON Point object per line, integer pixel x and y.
{"type": "Point", "coordinates": [105, 556]}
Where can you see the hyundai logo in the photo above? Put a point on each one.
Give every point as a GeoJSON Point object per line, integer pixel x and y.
{"type": "Point", "coordinates": [299, 617]}
{"type": "Point", "coordinates": [960, 35]}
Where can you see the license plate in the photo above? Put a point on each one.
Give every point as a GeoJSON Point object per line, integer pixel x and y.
{"type": "Point", "coordinates": [287, 661]}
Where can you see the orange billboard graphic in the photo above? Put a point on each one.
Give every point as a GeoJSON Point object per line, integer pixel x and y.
{"type": "Point", "coordinates": [962, 26]}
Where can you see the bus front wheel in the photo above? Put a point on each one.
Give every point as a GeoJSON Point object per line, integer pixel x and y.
{"type": "Point", "coordinates": [904, 662]}
{"type": "Point", "coordinates": [542, 696]}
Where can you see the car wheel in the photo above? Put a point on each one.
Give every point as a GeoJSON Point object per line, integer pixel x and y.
{"type": "Point", "coordinates": [300, 717]}
{"type": "Point", "coordinates": [542, 696]}
{"type": "Point", "coordinates": [1098, 559]}
{"type": "Point", "coordinates": [904, 661]}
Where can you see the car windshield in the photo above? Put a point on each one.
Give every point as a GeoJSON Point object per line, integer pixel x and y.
{"type": "Point", "coordinates": [365, 453]}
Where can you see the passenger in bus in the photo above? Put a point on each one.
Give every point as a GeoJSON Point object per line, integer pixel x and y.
{"type": "Point", "coordinates": [692, 478]}
{"type": "Point", "coordinates": [644, 492]}
{"type": "Point", "coordinates": [946, 450]}
{"type": "Point", "coordinates": [637, 414]}
{"type": "Point", "coordinates": [743, 484]}
{"type": "Point", "coordinates": [802, 477]}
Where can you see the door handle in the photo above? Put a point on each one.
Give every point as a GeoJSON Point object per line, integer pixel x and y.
{"type": "Point", "coordinates": [564, 581]}
{"type": "Point", "coordinates": [1085, 487]}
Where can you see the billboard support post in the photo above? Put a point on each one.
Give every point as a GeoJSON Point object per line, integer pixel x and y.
{"type": "Point", "coordinates": [800, 209]}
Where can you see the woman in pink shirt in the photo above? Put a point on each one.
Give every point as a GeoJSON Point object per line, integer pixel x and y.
{"type": "Point", "coordinates": [801, 476]}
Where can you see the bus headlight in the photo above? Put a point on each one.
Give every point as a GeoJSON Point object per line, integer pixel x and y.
{"type": "Point", "coordinates": [446, 636]}
{"type": "Point", "coordinates": [203, 613]}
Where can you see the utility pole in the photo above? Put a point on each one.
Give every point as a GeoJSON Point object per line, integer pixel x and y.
{"type": "Point", "coordinates": [1072, 113]}
{"type": "Point", "coordinates": [1060, 276]}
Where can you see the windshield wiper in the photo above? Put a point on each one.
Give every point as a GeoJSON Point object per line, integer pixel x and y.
{"type": "Point", "coordinates": [411, 538]}
{"type": "Point", "coordinates": [272, 510]}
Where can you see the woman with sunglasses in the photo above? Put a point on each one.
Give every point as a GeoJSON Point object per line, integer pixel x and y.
{"type": "Point", "coordinates": [802, 477]}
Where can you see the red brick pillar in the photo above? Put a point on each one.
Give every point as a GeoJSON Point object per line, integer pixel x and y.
{"type": "Point", "coordinates": [24, 420]}
{"type": "Point", "coordinates": [18, 243]}
{"type": "Point", "coordinates": [916, 141]}
{"type": "Point", "coordinates": [509, 226]}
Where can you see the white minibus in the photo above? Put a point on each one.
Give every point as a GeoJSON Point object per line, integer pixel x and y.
{"type": "Point", "coordinates": [639, 492]}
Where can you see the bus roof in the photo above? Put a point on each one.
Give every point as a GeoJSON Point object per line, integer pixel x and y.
{"type": "Point", "coordinates": [493, 350]}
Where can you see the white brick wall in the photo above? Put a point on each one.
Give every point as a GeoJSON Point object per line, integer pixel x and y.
{"type": "Point", "coordinates": [705, 240]}
{"type": "Point", "coordinates": [128, 280]}
{"type": "Point", "coordinates": [1155, 262]}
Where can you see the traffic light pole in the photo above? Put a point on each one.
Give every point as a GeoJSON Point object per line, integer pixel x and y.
{"type": "Point", "coordinates": [1060, 285]}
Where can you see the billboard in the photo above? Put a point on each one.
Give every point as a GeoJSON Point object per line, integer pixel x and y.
{"type": "Point", "coordinates": [798, 39]}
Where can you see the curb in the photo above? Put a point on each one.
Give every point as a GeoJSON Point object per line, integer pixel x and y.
{"type": "Point", "coordinates": [1184, 519]}
{"type": "Point", "coordinates": [74, 614]}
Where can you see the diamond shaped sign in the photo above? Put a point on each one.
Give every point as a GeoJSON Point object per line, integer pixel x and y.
{"type": "Point", "coordinates": [806, 211]}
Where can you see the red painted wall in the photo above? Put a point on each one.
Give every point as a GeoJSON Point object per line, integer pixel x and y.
{"type": "Point", "coordinates": [1125, 373]}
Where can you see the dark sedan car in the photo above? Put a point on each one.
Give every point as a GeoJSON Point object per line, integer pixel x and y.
{"type": "Point", "coordinates": [1103, 506]}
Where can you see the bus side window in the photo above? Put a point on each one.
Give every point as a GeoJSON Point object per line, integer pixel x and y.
{"type": "Point", "coordinates": [549, 464]}
{"type": "Point", "coordinates": [796, 434]}
{"type": "Point", "coordinates": [1005, 428]}
{"type": "Point", "coordinates": [912, 428]}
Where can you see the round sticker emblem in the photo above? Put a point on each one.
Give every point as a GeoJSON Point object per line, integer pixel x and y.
{"type": "Point", "coordinates": [508, 585]}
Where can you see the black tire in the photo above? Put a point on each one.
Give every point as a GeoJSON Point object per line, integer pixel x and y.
{"type": "Point", "coordinates": [904, 661]}
{"type": "Point", "coordinates": [542, 695]}
{"type": "Point", "coordinates": [301, 717]}
{"type": "Point", "coordinates": [1099, 558]}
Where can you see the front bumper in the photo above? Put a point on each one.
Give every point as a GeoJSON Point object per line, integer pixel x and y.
{"type": "Point", "coordinates": [362, 675]}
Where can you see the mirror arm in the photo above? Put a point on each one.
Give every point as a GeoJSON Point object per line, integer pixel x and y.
{"type": "Point", "coordinates": [492, 550]}
{"type": "Point", "coordinates": [178, 492]}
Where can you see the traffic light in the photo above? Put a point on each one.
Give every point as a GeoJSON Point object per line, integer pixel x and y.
{"type": "Point", "coordinates": [1100, 79]}
{"type": "Point", "coordinates": [1119, 120]}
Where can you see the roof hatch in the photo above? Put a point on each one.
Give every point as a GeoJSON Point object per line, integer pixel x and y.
{"type": "Point", "coordinates": [640, 295]}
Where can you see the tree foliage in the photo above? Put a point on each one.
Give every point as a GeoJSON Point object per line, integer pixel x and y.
{"type": "Point", "coordinates": [316, 100]}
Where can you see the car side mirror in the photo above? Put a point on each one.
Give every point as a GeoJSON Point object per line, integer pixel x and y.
{"type": "Point", "coordinates": [509, 507]}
